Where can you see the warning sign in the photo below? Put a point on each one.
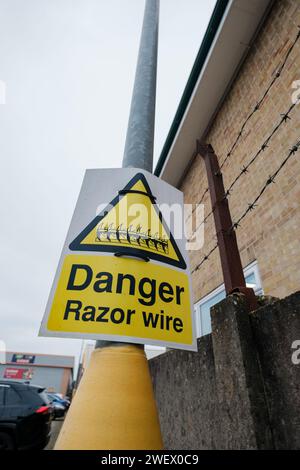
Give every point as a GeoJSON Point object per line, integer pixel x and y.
{"type": "Point", "coordinates": [112, 297]}
{"type": "Point", "coordinates": [122, 275]}
{"type": "Point", "coordinates": [114, 231]}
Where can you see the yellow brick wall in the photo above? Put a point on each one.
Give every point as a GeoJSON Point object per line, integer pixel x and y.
{"type": "Point", "coordinates": [271, 233]}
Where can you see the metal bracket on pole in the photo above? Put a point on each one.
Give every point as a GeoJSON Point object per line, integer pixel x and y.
{"type": "Point", "coordinates": [232, 269]}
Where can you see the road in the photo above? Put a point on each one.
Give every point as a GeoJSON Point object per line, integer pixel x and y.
{"type": "Point", "coordinates": [55, 429]}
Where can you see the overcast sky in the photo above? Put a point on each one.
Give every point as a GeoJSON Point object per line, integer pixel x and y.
{"type": "Point", "coordinates": [69, 67]}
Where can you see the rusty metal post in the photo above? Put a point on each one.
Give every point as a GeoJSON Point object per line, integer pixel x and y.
{"type": "Point", "coordinates": [233, 274]}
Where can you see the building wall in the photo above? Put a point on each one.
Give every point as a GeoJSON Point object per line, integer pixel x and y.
{"type": "Point", "coordinates": [67, 381]}
{"type": "Point", "coordinates": [52, 371]}
{"type": "Point", "coordinates": [45, 359]}
{"type": "Point", "coordinates": [269, 234]}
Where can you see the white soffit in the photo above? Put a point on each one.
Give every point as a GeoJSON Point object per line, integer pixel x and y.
{"type": "Point", "coordinates": [240, 22]}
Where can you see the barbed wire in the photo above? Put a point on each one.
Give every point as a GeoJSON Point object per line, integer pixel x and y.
{"type": "Point", "coordinates": [253, 204]}
{"type": "Point", "coordinates": [256, 108]}
{"type": "Point", "coordinates": [205, 258]}
{"type": "Point", "coordinates": [269, 181]}
{"type": "Point", "coordinates": [284, 117]}
{"type": "Point", "coordinates": [260, 102]}
{"type": "Point", "coordinates": [200, 202]}
{"type": "Point", "coordinates": [201, 223]}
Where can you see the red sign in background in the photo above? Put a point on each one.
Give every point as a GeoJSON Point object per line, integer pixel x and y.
{"type": "Point", "coordinates": [14, 373]}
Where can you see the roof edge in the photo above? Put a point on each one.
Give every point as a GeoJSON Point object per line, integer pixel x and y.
{"type": "Point", "coordinates": [204, 49]}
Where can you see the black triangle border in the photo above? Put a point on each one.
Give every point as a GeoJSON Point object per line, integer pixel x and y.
{"type": "Point", "coordinates": [76, 246]}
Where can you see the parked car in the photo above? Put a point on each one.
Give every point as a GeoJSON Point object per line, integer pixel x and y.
{"type": "Point", "coordinates": [25, 416]}
{"type": "Point", "coordinates": [65, 400]}
{"type": "Point", "coordinates": [58, 397]}
{"type": "Point", "coordinates": [59, 408]}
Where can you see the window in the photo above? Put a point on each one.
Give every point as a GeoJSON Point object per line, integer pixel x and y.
{"type": "Point", "coordinates": [12, 397]}
{"type": "Point", "coordinates": [202, 308]}
{"type": "Point", "coordinates": [2, 390]}
{"type": "Point", "coordinates": [33, 398]}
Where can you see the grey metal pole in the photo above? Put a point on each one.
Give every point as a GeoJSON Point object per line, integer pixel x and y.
{"type": "Point", "coordinates": [138, 152]}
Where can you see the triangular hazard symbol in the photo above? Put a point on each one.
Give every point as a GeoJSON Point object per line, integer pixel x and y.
{"type": "Point", "coordinates": [131, 225]}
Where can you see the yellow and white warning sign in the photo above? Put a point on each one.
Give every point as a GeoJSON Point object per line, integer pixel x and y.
{"type": "Point", "coordinates": [123, 275]}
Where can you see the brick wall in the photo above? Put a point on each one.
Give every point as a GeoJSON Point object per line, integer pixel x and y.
{"type": "Point", "coordinates": [269, 234]}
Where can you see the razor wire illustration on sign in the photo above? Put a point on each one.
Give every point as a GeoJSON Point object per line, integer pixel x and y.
{"type": "Point", "coordinates": [131, 236]}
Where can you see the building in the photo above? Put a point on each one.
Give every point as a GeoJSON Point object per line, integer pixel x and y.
{"type": "Point", "coordinates": [84, 359]}
{"type": "Point", "coordinates": [53, 372]}
{"type": "Point", "coordinates": [245, 78]}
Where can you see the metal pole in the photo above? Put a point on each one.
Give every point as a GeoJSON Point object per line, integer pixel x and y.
{"type": "Point", "coordinates": [232, 268]}
{"type": "Point", "coordinates": [138, 152]}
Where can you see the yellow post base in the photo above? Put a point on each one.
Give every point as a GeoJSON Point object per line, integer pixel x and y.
{"type": "Point", "coordinates": [114, 406]}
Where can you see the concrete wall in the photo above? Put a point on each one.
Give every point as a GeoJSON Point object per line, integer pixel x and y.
{"type": "Point", "coordinates": [275, 328]}
{"type": "Point", "coordinates": [241, 389]}
{"type": "Point", "coordinates": [184, 385]}
{"type": "Point", "coordinates": [269, 234]}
